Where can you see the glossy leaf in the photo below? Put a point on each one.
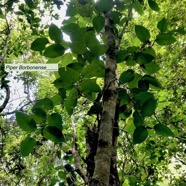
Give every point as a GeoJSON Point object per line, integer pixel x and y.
{"type": "Point", "coordinates": [140, 135]}
{"type": "Point", "coordinates": [163, 130]}
{"type": "Point", "coordinates": [55, 33]}
{"type": "Point", "coordinates": [126, 76]}
{"type": "Point", "coordinates": [142, 33]}
{"type": "Point", "coordinates": [25, 122]}
{"type": "Point", "coordinates": [39, 44]}
{"type": "Point", "coordinates": [54, 50]}
{"type": "Point", "coordinates": [162, 25]}
{"type": "Point", "coordinates": [55, 120]}
{"type": "Point", "coordinates": [27, 146]}
{"type": "Point", "coordinates": [53, 133]}
{"type": "Point", "coordinates": [98, 23]}
{"type": "Point", "coordinates": [148, 108]}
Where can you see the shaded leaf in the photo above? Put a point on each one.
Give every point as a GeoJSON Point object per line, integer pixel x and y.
{"type": "Point", "coordinates": [126, 76]}
{"type": "Point", "coordinates": [162, 25]}
{"type": "Point", "coordinates": [138, 119]}
{"type": "Point", "coordinates": [27, 146]}
{"type": "Point", "coordinates": [39, 44]}
{"type": "Point", "coordinates": [98, 23]}
{"type": "Point", "coordinates": [104, 5]}
{"type": "Point", "coordinates": [55, 120]}
{"type": "Point", "coordinates": [140, 134]}
{"type": "Point", "coordinates": [165, 39]}
{"type": "Point", "coordinates": [121, 56]}
{"type": "Point", "coordinates": [142, 97]}
{"type": "Point", "coordinates": [142, 33]}
{"type": "Point", "coordinates": [163, 130]}
{"type": "Point", "coordinates": [39, 112]}
{"type": "Point", "coordinates": [153, 5]}
{"type": "Point", "coordinates": [138, 7]}
{"type": "Point", "coordinates": [143, 58]}
{"type": "Point", "coordinates": [55, 33]}
{"type": "Point", "coordinates": [153, 81]}
{"type": "Point", "coordinates": [53, 133]}
{"type": "Point", "coordinates": [69, 28]}
{"type": "Point", "coordinates": [25, 122]}
{"type": "Point", "coordinates": [54, 50]}
{"type": "Point", "coordinates": [45, 104]}
{"type": "Point", "coordinates": [148, 108]}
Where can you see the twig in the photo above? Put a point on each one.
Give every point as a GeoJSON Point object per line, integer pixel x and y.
{"type": "Point", "coordinates": [125, 25]}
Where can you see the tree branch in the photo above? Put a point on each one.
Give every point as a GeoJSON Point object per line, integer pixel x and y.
{"type": "Point", "coordinates": [125, 25]}
{"type": "Point", "coordinates": [2, 107]}
{"type": "Point", "coordinates": [78, 168]}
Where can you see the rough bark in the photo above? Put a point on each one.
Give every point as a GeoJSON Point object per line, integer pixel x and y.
{"type": "Point", "coordinates": [104, 152]}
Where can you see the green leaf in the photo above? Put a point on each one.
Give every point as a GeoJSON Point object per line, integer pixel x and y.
{"type": "Point", "coordinates": [78, 47]}
{"type": "Point", "coordinates": [123, 96]}
{"type": "Point", "coordinates": [84, 10]}
{"type": "Point", "coordinates": [165, 39]}
{"type": "Point", "coordinates": [148, 108]}
{"type": "Point", "coordinates": [116, 16]}
{"type": "Point", "coordinates": [98, 23]}
{"type": "Point", "coordinates": [29, 3]}
{"type": "Point", "coordinates": [39, 112]}
{"type": "Point", "coordinates": [151, 68]}
{"type": "Point", "coordinates": [2, 16]}
{"type": "Point", "coordinates": [142, 97]}
{"type": "Point", "coordinates": [89, 86]}
{"type": "Point", "coordinates": [153, 81]}
{"type": "Point", "coordinates": [96, 69]}
{"type": "Point", "coordinates": [27, 146]}
{"type": "Point", "coordinates": [69, 28]}
{"type": "Point", "coordinates": [83, 2]}
{"type": "Point", "coordinates": [54, 50]}
{"type": "Point", "coordinates": [45, 104]}
{"type": "Point", "coordinates": [162, 25]}
{"type": "Point", "coordinates": [25, 122]}
{"type": "Point", "coordinates": [138, 7]}
{"type": "Point", "coordinates": [143, 58]}
{"type": "Point", "coordinates": [163, 130]}
{"type": "Point", "coordinates": [71, 101]}
{"type": "Point", "coordinates": [121, 56]}
{"type": "Point", "coordinates": [153, 5]}
{"type": "Point", "coordinates": [53, 133]}
{"type": "Point", "coordinates": [55, 120]}
{"type": "Point", "coordinates": [55, 33]}
{"type": "Point", "coordinates": [143, 85]}
{"type": "Point", "coordinates": [78, 35]}
{"type": "Point", "coordinates": [127, 76]}
{"type": "Point", "coordinates": [138, 119]}
{"type": "Point", "coordinates": [142, 33]}
{"type": "Point", "coordinates": [39, 44]}
{"type": "Point", "coordinates": [140, 134]}
{"type": "Point", "coordinates": [104, 5]}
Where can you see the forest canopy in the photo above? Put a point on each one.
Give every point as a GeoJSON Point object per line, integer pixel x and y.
{"type": "Point", "coordinates": [114, 114]}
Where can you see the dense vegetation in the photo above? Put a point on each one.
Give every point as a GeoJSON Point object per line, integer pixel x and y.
{"type": "Point", "coordinates": [114, 113]}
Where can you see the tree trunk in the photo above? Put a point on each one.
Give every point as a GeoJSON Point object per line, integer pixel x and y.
{"type": "Point", "coordinates": [105, 147]}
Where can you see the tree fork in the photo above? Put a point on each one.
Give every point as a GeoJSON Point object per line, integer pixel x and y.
{"type": "Point", "coordinates": [103, 156]}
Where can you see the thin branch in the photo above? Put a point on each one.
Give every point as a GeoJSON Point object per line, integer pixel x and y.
{"type": "Point", "coordinates": [14, 111]}
{"type": "Point", "coordinates": [3, 54]}
{"type": "Point", "coordinates": [125, 25]}
{"type": "Point", "coordinates": [77, 159]}
{"type": "Point", "coordinates": [2, 107]}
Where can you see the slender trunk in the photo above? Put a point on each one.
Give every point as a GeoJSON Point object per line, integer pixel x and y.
{"type": "Point", "coordinates": [103, 156]}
